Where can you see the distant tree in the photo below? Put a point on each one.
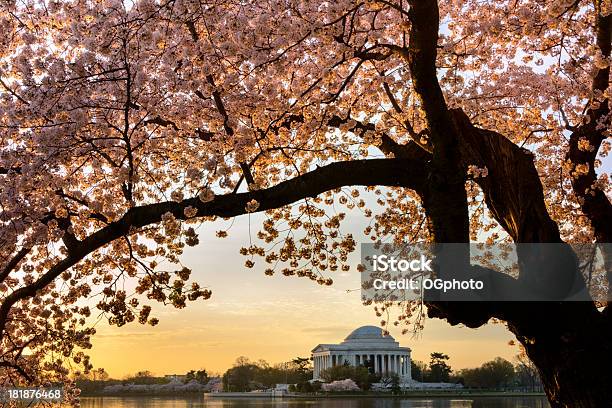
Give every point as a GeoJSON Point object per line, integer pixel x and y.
{"type": "Point", "coordinates": [418, 369]}
{"type": "Point", "coordinates": [495, 374]}
{"type": "Point", "coordinates": [261, 363]}
{"type": "Point", "coordinates": [301, 369]}
{"type": "Point", "coordinates": [374, 378]}
{"type": "Point", "coordinates": [247, 375]}
{"type": "Point", "coordinates": [340, 385]}
{"type": "Point", "coordinates": [94, 375]}
{"type": "Point", "coordinates": [144, 377]}
{"type": "Point", "coordinates": [500, 371]}
{"type": "Point", "coordinates": [395, 383]}
{"type": "Point", "coordinates": [369, 364]}
{"type": "Point", "coordinates": [302, 363]}
{"type": "Point", "coordinates": [268, 376]}
{"type": "Point", "coordinates": [526, 373]}
{"type": "Point", "coordinates": [304, 386]}
{"type": "Point", "coordinates": [99, 375]}
{"type": "Point", "coordinates": [200, 376]}
{"type": "Point", "coordinates": [359, 374]}
{"type": "Point", "coordinates": [240, 378]}
{"type": "Point", "coordinates": [439, 370]}
{"type": "Point", "coordinates": [242, 361]}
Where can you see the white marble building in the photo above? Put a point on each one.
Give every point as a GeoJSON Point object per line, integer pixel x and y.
{"type": "Point", "coordinates": [364, 346]}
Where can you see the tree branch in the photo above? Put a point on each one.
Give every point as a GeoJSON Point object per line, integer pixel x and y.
{"type": "Point", "coordinates": [514, 194]}
{"type": "Point", "coordinates": [422, 53]}
{"type": "Point", "coordinates": [19, 369]}
{"type": "Point", "coordinates": [14, 262]}
{"type": "Point", "coordinates": [246, 171]}
{"type": "Point", "coordinates": [382, 172]}
{"type": "Point", "coordinates": [513, 190]}
{"type": "Point", "coordinates": [416, 137]}
{"type": "Point", "coordinates": [584, 143]}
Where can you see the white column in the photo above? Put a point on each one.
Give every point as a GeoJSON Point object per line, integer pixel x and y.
{"type": "Point", "coordinates": [321, 365]}
{"type": "Point", "coordinates": [408, 366]}
{"type": "Point", "coordinates": [387, 363]}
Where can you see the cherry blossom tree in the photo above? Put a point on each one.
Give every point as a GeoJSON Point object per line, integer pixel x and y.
{"type": "Point", "coordinates": [340, 385]}
{"type": "Point", "coordinates": [125, 124]}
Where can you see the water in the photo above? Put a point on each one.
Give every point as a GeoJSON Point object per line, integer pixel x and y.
{"type": "Point", "coordinates": [451, 402]}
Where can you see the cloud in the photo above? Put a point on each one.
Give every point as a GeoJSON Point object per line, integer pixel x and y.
{"type": "Point", "coordinates": [328, 330]}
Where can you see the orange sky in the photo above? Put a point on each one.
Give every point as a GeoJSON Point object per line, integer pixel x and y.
{"type": "Point", "coordinates": [273, 318]}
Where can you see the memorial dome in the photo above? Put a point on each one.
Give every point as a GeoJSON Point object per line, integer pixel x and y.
{"type": "Point", "coordinates": [368, 332]}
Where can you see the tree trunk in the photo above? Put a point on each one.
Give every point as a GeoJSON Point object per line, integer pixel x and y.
{"type": "Point", "coordinates": [571, 345]}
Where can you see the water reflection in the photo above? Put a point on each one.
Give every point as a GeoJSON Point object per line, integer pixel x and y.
{"type": "Point", "coordinates": [164, 402]}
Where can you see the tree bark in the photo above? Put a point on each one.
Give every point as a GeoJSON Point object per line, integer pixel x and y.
{"type": "Point", "coordinates": [571, 346]}
{"type": "Point", "coordinates": [570, 343]}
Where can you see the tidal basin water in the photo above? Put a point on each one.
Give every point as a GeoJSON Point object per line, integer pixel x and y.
{"type": "Point", "coordinates": [445, 402]}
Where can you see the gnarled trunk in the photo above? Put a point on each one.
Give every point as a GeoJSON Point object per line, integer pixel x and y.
{"type": "Point", "coordinates": [571, 345]}
{"type": "Point", "coordinates": [569, 342]}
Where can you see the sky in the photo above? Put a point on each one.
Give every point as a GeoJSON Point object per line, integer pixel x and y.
{"type": "Point", "coordinates": [273, 318]}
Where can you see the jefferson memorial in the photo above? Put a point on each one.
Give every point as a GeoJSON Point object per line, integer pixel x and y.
{"type": "Point", "coordinates": [366, 346]}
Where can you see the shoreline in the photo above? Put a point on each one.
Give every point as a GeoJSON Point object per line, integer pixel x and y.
{"type": "Point", "coordinates": [264, 395]}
